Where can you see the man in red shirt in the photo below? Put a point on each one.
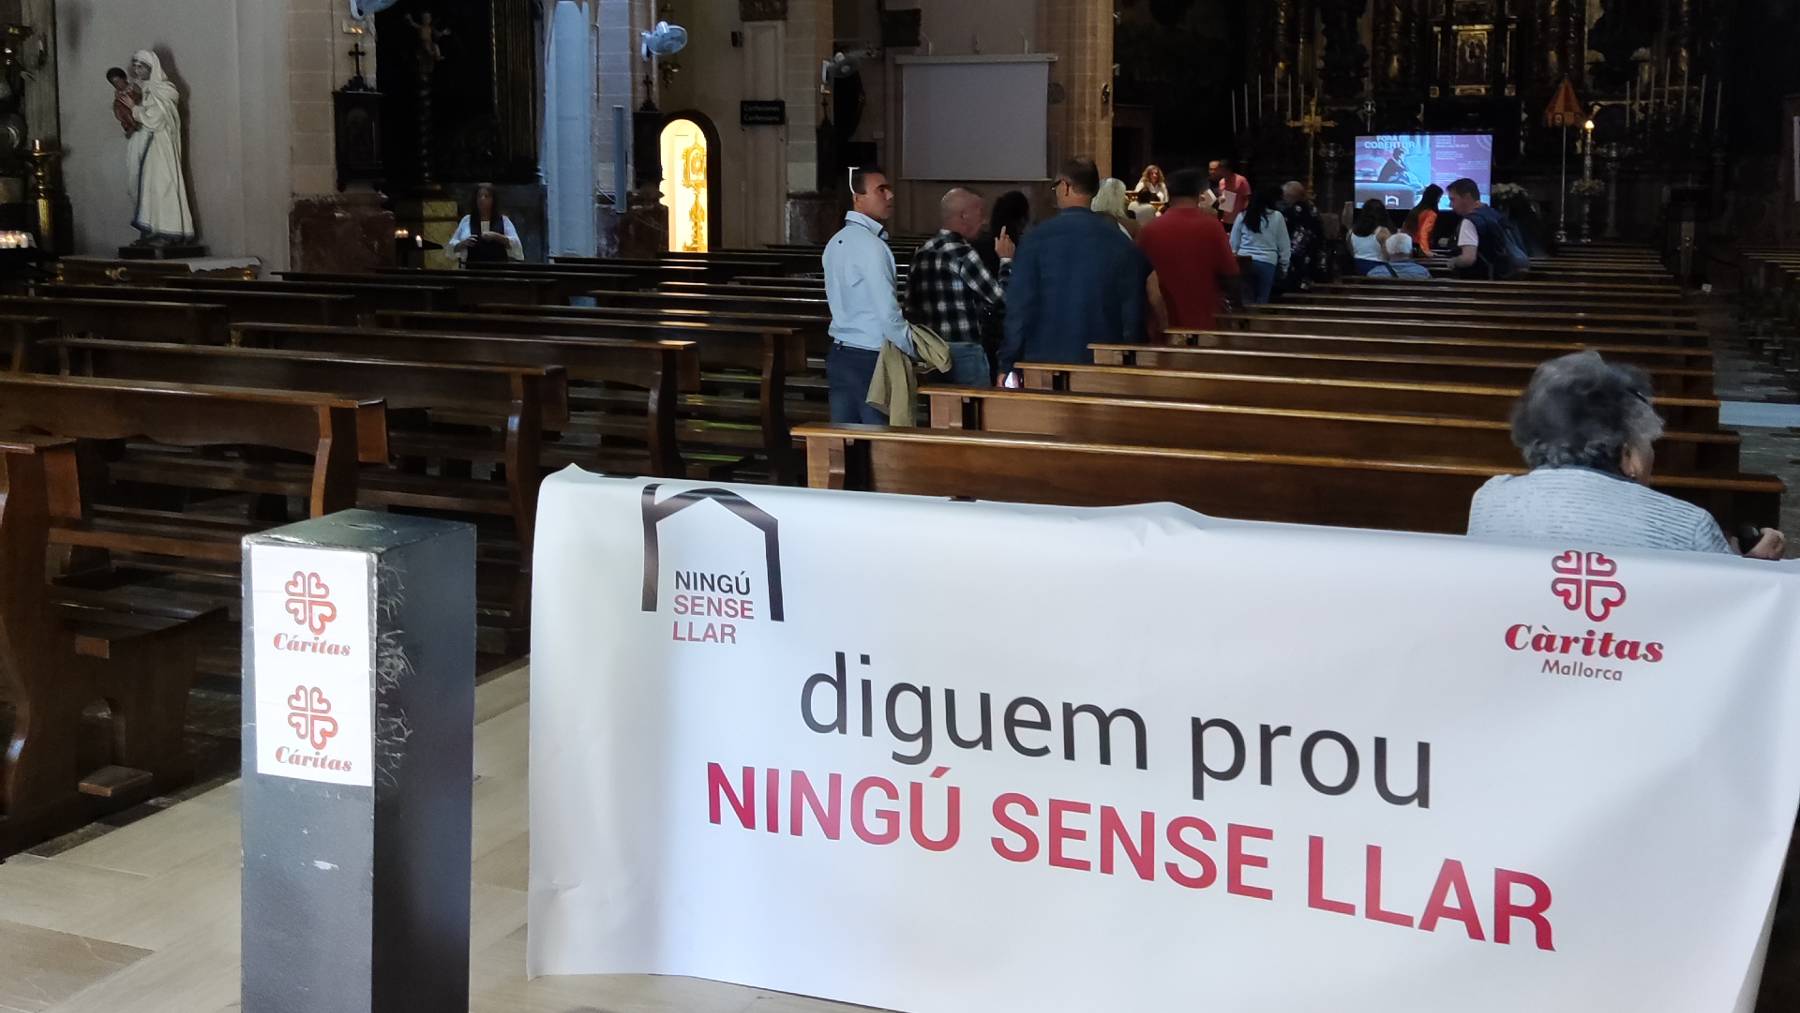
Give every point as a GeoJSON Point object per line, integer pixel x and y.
{"type": "Point", "coordinates": [1232, 190]}
{"type": "Point", "coordinates": [1191, 255]}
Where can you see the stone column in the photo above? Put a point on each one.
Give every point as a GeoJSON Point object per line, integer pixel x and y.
{"type": "Point", "coordinates": [1080, 33]}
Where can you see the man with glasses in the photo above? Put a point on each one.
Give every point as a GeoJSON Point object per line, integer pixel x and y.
{"type": "Point", "coordinates": [1077, 280]}
{"type": "Point", "coordinates": [865, 311]}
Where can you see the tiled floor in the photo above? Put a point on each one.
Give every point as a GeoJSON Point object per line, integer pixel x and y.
{"type": "Point", "coordinates": [145, 918]}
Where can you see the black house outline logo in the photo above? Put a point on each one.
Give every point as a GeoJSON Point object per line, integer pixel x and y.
{"type": "Point", "coordinates": [655, 513]}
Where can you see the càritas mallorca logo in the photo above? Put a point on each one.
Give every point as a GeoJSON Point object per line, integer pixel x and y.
{"type": "Point", "coordinates": [309, 605]}
{"type": "Point", "coordinates": [309, 716]}
{"type": "Point", "coordinates": [1588, 584]}
{"type": "Point", "coordinates": [711, 607]}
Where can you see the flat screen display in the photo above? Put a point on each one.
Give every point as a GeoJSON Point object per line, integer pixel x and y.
{"type": "Point", "coordinates": [1396, 168]}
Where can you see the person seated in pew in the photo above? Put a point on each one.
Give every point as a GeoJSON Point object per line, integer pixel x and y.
{"type": "Point", "coordinates": [950, 289]}
{"type": "Point", "coordinates": [1422, 221]}
{"type": "Point", "coordinates": [1306, 234]}
{"type": "Point", "coordinates": [485, 235]}
{"type": "Point", "coordinates": [860, 288]}
{"type": "Point", "coordinates": [1111, 202]}
{"type": "Point", "coordinates": [1400, 262]}
{"type": "Point", "coordinates": [1368, 238]}
{"type": "Point", "coordinates": [1077, 280]}
{"type": "Point", "coordinates": [1486, 247]}
{"type": "Point", "coordinates": [1261, 237]}
{"type": "Point", "coordinates": [1587, 431]}
{"type": "Point", "coordinates": [1189, 254]}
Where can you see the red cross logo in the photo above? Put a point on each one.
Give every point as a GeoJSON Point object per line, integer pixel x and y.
{"type": "Point", "coordinates": [309, 715]}
{"type": "Point", "coordinates": [1585, 584]}
{"type": "Point", "coordinates": [309, 602]}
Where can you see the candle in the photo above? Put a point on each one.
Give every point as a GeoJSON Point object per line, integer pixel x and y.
{"type": "Point", "coordinates": [1259, 95]}
{"type": "Point", "coordinates": [1719, 108]}
{"type": "Point", "coordinates": [1233, 104]}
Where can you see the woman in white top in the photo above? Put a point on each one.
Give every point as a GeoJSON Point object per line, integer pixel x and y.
{"type": "Point", "coordinates": [1110, 201]}
{"type": "Point", "coordinates": [1261, 234]}
{"type": "Point", "coordinates": [485, 235]}
{"type": "Point", "coordinates": [1152, 193]}
{"type": "Point", "coordinates": [1368, 238]}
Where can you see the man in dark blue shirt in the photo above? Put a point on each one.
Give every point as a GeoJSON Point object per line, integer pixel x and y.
{"type": "Point", "coordinates": [1078, 280]}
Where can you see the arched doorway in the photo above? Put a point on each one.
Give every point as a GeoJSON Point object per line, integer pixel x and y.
{"type": "Point", "coordinates": [690, 174]}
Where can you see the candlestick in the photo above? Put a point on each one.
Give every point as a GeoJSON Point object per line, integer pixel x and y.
{"type": "Point", "coordinates": [1259, 95]}
{"type": "Point", "coordinates": [1685, 65]}
{"type": "Point", "coordinates": [1719, 109]}
{"type": "Point", "coordinates": [1628, 105]}
{"type": "Point", "coordinates": [1700, 106]}
{"type": "Point", "coordinates": [1233, 104]}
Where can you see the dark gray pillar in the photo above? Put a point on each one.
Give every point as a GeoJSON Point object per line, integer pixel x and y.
{"type": "Point", "coordinates": [359, 708]}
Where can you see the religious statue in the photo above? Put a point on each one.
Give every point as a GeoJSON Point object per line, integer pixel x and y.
{"type": "Point", "coordinates": [430, 55]}
{"type": "Point", "coordinates": [153, 173]}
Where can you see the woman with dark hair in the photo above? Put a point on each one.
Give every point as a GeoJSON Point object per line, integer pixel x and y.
{"type": "Point", "coordinates": [1010, 215]}
{"type": "Point", "coordinates": [1368, 238]}
{"type": "Point", "coordinates": [1421, 221]}
{"type": "Point", "coordinates": [1261, 236]}
{"type": "Point", "coordinates": [485, 235]}
{"type": "Point", "coordinates": [1587, 430]}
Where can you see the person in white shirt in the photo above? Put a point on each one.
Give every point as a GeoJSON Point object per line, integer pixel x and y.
{"type": "Point", "coordinates": [865, 309]}
{"type": "Point", "coordinates": [485, 235]}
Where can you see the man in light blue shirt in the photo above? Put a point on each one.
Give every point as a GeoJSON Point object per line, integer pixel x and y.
{"type": "Point", "coordinates": [865, 310]}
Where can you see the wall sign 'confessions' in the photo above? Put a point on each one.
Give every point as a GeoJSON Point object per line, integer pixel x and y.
{"type": "Point", "coordinates": [770, 113]}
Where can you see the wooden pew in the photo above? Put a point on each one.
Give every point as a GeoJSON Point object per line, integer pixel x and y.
{"type": "Point", "coordinates": [1150, 422]}
{"type": "Point", "coordinates": [104, 551]}
{"type": "Point", "coordinates": [322, 426]}
{"type": "Point", "coordinates": [1428, 312]}
{"type": "Point", "coordinates": [56, 659]}
{"type": "Point", "coordinates": [369, 295]}
{"type": "Point", "coordinates": [1370, 396]}
{"type": "Point", "coordinates": [1492, 327]}
{"type": "Point", "coordinates": [1532, 289]}
{"type": "Point", "coordinates": [1398, 302]}
{"type": "Point", "coordinates": [148, 320]}
{"type": "Point", "coordinates": [724, 303]}
{"type": "Point", "coordinates": [715, 269]}
{"type": "Point", "coordinates": [662, 369]}
{"type": "Point", "coordinates": [1294, 488]}
{"type": "Point", "coordinates": [240, 304]}
{"type": "Point", "coordinates": [500, 415]}
{"type": "Point", "coordinates": [520, 402]}
{"type": "Point", "coordinates": [771, 354]}
{"type": "Point", "coordinates": [472, 287]}
{"type": "Point", "coordinates": [22, 334]}
{"type": "Point", "coordinates": [814, 327]}
{"type": "Point", "coordinates": [1656, 356]}
{"type": "Point", "coordinates": [1470, 369]}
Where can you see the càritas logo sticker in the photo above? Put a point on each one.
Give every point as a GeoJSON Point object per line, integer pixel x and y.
{"type": "Point", "coordinates": [1584, 582]}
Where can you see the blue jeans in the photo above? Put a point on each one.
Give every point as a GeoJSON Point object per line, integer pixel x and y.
{"type": "Point", "coordinates": [1259, 282]}
{"type": "Point", "coordinates": [848, 372]}
{"type": "Point", "coordinates": [969, 365]}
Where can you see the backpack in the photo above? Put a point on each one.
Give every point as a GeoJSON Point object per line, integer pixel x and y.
{"type": "Point", "coordinates": [1507, 258]}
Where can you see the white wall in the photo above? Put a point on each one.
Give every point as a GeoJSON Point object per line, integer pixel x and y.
{"type": "Point", "coordinates": [229, 58]}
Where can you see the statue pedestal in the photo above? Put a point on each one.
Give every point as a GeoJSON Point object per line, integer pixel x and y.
{"type": "Point", "coordinates": [434, 216]}
{"type": "Point", "coordinates": [169, 251]}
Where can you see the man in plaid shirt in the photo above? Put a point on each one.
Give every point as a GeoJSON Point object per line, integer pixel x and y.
{"type": "Point", "coordinates": [950, 290]}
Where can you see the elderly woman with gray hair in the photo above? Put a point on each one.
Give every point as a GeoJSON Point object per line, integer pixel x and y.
{"type": "Point", "coordinates": [1587, 431]}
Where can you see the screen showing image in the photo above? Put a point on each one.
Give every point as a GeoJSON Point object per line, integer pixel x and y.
{"type": "Point", "coordinates": [1396, 168]}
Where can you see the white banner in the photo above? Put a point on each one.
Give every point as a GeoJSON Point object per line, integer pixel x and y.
{"type": "Point", "coordinates": [937, 756]}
